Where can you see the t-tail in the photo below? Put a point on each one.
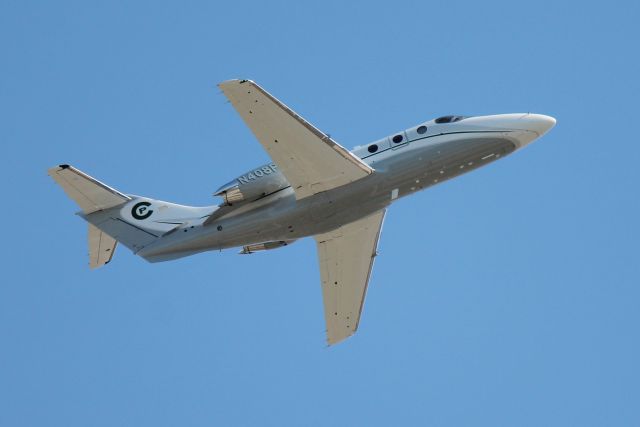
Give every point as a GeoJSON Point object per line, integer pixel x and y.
{"type": "Point", "coordinates": [116, 217]}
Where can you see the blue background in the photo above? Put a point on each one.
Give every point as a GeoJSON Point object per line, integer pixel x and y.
{"type": "Point", "coordinates": [508, 296]}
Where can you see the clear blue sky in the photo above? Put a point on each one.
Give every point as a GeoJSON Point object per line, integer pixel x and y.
{"type": "Point", "coordinates": [506, 297]}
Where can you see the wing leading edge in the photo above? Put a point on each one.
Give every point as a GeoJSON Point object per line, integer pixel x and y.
{"type": "Point", "coordinates": [346, 258]}
{"type": "Point", "coordinates": [310, 160]}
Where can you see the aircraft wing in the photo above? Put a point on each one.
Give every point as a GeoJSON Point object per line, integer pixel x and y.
{"type": "Point", "coordinates": [310, 160]}
{"type": "Point", "coordinates": [346, 258]}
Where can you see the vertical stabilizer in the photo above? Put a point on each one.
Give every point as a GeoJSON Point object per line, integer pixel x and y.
{"type": "Point", "coordinates": [101, 247]}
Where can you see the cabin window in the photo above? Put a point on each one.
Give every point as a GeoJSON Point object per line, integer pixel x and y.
{"type": "Point", "coordinates": [397, 139]}
{"type": "Point", "coordinates": [422, 129]}
{"type": "Point", "coordinates": [372, 148]}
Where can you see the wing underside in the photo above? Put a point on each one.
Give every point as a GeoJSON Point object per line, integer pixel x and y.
{"type": "Point", "coordinates": [346, 258]}
{"type": "Point", "coordinates": [310, 160]}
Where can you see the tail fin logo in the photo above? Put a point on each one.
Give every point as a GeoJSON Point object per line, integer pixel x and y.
{"type": "Point", "coordinates": [141, 210]}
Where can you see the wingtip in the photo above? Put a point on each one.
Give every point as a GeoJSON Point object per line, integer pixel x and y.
{"type": "Point", "coordinates": [337, 340]}
{"type": "Point", "coordinates": [58, 168]}
{"type": "Point", "coordinates": [235, 81]}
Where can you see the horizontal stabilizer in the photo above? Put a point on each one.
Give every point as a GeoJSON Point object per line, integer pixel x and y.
{"type": "Point", "coordinates": [89, 193]}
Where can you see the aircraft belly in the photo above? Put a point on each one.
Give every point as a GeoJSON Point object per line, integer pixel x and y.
{"type": "Point", "coordinates": [436, 163]}
{"type": "Point", "coordinates": [459, 160]}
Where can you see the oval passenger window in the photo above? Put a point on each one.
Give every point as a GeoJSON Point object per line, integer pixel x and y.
{"type": "Point", "coordinates": [421, 130]}
{"type": "Point", "coordinates": [397, 139]}
{"type": "Point", "coordinates": [372, 148]}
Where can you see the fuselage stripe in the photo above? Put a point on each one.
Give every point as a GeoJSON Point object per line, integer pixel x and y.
{"type": "Point", "coordinates": [433, 136]}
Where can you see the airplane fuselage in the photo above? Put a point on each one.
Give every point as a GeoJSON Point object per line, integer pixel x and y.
{"type": "Point", "coordinates": [404, 163]}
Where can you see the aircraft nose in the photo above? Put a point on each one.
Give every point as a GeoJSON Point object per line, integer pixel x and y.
{"type": "Point", "coordinates": [528, 127]}
{"type": "Point", "coordinates": [538, 123]}
{"type": "Point", "coordinates": [524, 128]}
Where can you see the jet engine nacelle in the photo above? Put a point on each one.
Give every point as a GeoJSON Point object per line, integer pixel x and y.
{"type": "Point", "coordinates": [253, 185]}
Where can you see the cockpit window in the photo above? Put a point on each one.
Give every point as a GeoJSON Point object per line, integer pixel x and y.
{"type": "Point", "coordinates": [449, 119]}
